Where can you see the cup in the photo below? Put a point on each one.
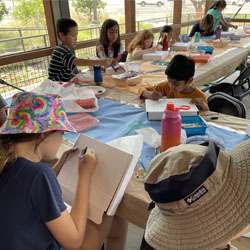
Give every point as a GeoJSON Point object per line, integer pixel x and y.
{"type": "Point", "coordinates": [97, 75]}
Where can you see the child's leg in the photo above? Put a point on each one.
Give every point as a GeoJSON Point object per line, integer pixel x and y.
{"type": "Point", "coordinates": [114, 229]}
{"type": "Point", "coordinates": [117, 235]}
{"type": "Point", "coordinates": [96, 234]}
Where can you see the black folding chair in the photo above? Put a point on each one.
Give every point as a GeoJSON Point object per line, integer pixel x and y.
{"type": "Point", "coordinates": [124, 56]}
{"type": "Point", "coordinates": [238, 89]}
{"type": "Point", "coordinates": [226, 104]}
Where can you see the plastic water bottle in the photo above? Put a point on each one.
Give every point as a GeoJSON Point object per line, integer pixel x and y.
{"type": "Point", "coordinates": [197, 37]}
{"type": "Point", "coordinates": [218, 33]}
{"type": "Point", "coordinates": [165, 42]}
{"type": "Point", "coordinates": [170, 127]}
{"type": "Point", "coordinates": [97, 75]}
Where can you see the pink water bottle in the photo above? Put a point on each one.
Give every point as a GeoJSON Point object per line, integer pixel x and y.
{"type": "Point", "coordinates": [170, 127]}
{"type": "Point", "coordinates": [165, 42]}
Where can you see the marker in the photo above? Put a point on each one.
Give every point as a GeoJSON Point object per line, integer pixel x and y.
{"type": "Point", "coordinates": [113, 67]}
{"type": "Point", "coordinates": [82, 155]}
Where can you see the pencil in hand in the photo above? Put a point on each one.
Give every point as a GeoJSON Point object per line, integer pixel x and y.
{"type": "Point", "coordinates": [83, 152]}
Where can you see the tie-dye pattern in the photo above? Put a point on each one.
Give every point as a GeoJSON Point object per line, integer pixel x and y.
{"type": "Point", "coordinates": [36, 113]}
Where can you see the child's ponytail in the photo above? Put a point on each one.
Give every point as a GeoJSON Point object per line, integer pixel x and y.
{"type": "Point", "coordinates": [219, 4]}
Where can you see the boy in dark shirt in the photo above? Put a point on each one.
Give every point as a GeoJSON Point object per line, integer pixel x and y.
{"type": "Point", "coordinates": [63, 63]}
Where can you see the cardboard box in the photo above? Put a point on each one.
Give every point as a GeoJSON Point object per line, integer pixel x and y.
{"type": "Point", "coordinates": [155, 109]}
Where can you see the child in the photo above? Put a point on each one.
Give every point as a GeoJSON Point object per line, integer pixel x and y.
{"type": "Point", "coordinates": [142, 44]}
{"type": "Point", "coordinates": [198, 191]}
{"type": "Point", "coordinates": [63, 63]}
{"type": "Point", "coordinates": [32, 211]}
{"type": "Point", "coordinates": [180, 72]}
{"type": "Point", "coordinates": [2, 111]}
{"type": "Point", "coordinates": [216, 10]}
{"type": "Point", "coordinates": [109, 44]}
{"type": "Point", "coordinates": [169, 30]}
{"type": "Point", "coordinates": [205, 26]}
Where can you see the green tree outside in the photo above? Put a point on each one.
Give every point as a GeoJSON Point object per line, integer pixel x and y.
{"type": "Point", "coordinates": [29, 12]}
{"type": "Point", "coordinates": [86, 6]}
{"type": "Point", "coordinates": [3, 10]}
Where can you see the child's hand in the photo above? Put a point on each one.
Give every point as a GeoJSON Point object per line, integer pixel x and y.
{"type": "Point", "coordinates": [159, 47]}
{"type": "Point", "coordinates": [201, 105]}
{"type": "Point", "coordinates": [153, 95]}
{"type": "Point", "coordinates": [106, 62]}
{"type": "Point", "coordinates": [114, 61]}
{"type": "Point", "coordinates": [172, 41]}
{"type": "Point", "coordinates": [87, 164]}
{"type": "Point", "coordinates": [235, 26]}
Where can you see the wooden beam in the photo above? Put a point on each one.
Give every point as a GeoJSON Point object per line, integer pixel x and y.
{"type": "Point", "coordinates": [129, 17]}
{"type": "Point", "coordinates": [5, 60]}
{"type": "Point", "coordinates": [207, 6]}
{"type": "Point", "coordinates": [177, 17]}
{"type": "Point", "coordinates": [50, 22]}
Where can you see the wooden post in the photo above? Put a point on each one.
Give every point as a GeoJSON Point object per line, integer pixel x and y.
{"type": "Point", "coordinates": [207, 6]}
{"type": "Point", "coordinates": [177, 17]}
{"type": "Point", "coordinates": [50, 22]}
{"type": "Point", "coordinates": [129, 18]}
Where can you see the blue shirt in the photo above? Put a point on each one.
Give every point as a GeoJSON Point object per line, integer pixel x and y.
{"type": "Point", "coordinates": [217, 15]}
{"type": "Point", "coordinates": [30, 195]}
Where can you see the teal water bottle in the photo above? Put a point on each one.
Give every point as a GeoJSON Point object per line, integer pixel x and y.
{"type": "Point", "coordinates": [197, 37]}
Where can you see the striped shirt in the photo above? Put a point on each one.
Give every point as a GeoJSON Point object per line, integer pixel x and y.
{"type": "Point", "coordinates": [61, 64]}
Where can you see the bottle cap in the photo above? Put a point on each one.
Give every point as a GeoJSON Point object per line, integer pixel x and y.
{"type": "Point", "coordinates": [170, 106]}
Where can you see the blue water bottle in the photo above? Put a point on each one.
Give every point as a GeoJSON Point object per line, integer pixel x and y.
{"type": "Point", "coordinates": [97, 75]}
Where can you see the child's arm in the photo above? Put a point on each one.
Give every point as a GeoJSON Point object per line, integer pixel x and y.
{"type": "Point", "coordinates": [228, 24]}
{"type": "Point", "coordinates": [137, 52]}
{"type": "Point", "coordinates": [3, 116]}
{"type": "Point", "coordinates": [69, 229]}
{"type": "Point", "coordinates": [153, 95]}
{"type": "Point", "coordinates": [100, 52]}
{"type": "Point", "coordinates": [200, 103]}
{"type": "Point", "coordinates": [59, 164]}
{"type": "Point", "coordinates": [87, 62]}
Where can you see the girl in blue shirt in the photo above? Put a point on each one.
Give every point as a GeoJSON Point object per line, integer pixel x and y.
{"type": "Point", "coordinates": [32, 213]}
{"type": "Point", "coordinates": [216, 10]}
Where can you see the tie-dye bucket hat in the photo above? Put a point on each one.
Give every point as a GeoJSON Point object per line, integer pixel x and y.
{"type": "Point", "coordinates": [32, 112]}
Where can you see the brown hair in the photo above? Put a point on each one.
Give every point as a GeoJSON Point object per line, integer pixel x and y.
{"type": "Point", "coordinates": [139, 40]}
{"type": "Point", "coordinates": [8, 154]}
{"type": "Point", "coordinates": [219, 4]}
{"type": "Point", "coordinates": [165, 29]}
{"type": "Point", "coordinates": [207, 23]}
{"type": "Point", "coordinates": [109, 23]}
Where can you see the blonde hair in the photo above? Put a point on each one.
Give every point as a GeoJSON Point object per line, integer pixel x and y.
{"type": "Point", "coordinates": [207, 23]}
{"type": "Point", "coordinates": [8, 155]}
{"type": "Point", "coordinates": [139, 40]}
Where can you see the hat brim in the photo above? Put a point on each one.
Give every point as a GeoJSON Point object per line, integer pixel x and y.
{"type": "Point", "coordinates": [35, 128]}
{"type": "Point", "coordinates": [216, 222]}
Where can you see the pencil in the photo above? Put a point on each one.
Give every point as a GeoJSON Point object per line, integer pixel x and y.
{"type": "Point", "coordinates": [137, 170]}
{"type": "Point", "coordinates": [142, 165]}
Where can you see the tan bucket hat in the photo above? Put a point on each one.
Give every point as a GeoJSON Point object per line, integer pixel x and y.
{"type": "Point", "coordinates": [202, 196]}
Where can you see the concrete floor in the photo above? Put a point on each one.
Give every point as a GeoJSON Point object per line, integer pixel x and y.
{"type": "Point", "coordinates": [135, 233]}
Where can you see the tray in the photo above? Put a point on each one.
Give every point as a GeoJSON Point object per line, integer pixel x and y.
{"type": "Point", "coordinates": [199, 125]}
{"type": "Point", "coordinates": [82, 121]}
{"type": "Point", "coordinates": [208, 49]}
